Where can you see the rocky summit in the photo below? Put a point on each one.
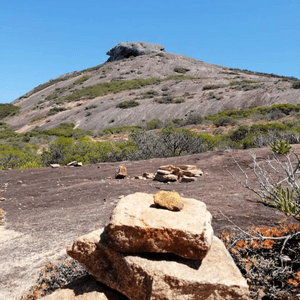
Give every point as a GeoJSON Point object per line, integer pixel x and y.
{"type": "Point", "coordinates": [128, 49]}
{"type": "Point", "coordinates": [155, 274]}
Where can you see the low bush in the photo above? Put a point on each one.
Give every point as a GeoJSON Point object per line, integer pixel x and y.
{"type": "Point", "coordinates": [118, 130]}
{"type": "Point", "coordinates": [269, 258]}
{"type": "Point", "coordinates": [127, 104]}
{"type": "Point", "coordinates": [53, 277]}
{"type": "Point", "coordinates": [223, 121]}
{"type": "Point", "coordinates": [8, 110]}
{"type": "Point", "coordinates": [149, 94]}
{"type": "Point", "coordinates": [67, 130]}
{"type": "Point", "coordinates": [193, 119]}
{"type": "Point", "coordinates": [296, 84]}
{"type": "Point", "coordinates": [55, 110]}
{"type": "Point", "coordinates": [81, 80]}
{"type": "Point", "coordinates": [245, 85]}
{"type": "Point", "coordinates": [181, 70]}
{"type": "Point", "coordinates": [90, 107]}
{"type": "Point", "coordinates": [19, 158]}
{"type": "Point", "coordinates": [154, 124]}
{"type": "Point", "coordinates": [212, 87]}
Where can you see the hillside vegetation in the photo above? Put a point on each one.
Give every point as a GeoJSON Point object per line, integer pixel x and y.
{"type": "Point", "coordinates": [165, 85]}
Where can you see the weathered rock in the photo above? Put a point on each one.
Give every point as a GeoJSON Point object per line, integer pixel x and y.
{"type": "Point", "coordinates": [168, 200]}
{"type": "Point", "coordinates": [167, 168]}
{"type": "Point", "coordinates": [137, 225]}
{"type": "Point", "coordinates": [164, 172]}
{"type": "Point", "coordinates": [54, 165]}
{"type": "Point", "coordinates": [187, 179]}
{"type": "Point", "coordinates": [187, 167]}
{"type": "Point", "coordinates": [128, 49]}
{"type": "Point", "coordinates": [191, 173]}
{"type": "Point", "coordinates": [121, 172]}
{"type": "Point", "coordinates": [165, 178]}
{"type": "Point", "coordinates": [148, 175]}
{"type": "Point", "coordinates": [161, 276]}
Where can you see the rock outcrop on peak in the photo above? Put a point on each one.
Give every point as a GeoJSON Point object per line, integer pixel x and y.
{"type": "Point", "coordinates": [127, 49]}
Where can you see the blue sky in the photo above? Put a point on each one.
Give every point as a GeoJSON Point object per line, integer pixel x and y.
{"type": "Point", "coordinates": [40, 40]}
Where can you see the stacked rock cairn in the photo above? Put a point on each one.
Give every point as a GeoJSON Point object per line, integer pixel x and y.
{"type": "Point", "coordinates": [161, 247]}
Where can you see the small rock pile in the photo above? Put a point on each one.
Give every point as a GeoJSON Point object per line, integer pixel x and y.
{"type": "Point", "coordinates": [184, 173]}
{"type": "Point", "coordinates": [149, 252]}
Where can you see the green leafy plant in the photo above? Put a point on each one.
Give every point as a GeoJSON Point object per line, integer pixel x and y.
{"type": "Point", "coordinates": [281, 147]}
{"type": "Point", "coordinates": [285, 200]}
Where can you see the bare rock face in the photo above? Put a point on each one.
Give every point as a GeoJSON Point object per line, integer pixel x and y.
{"type": "Point", "coordinates": [161, 276]}
{"type": "Point", "coordinates": [128, 49]}
{"type": "Point", "coordinates": [137, 226]}
{"type": "Point", "coordinates": [121, 172]}
{"type": "Point", "coordinates": [168, 200]}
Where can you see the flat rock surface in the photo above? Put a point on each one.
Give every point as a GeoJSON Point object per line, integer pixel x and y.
{"type": "Point", "coordinates": [137, 225]}
{"type": "Point", "coordinates": [46, 209]}
{"type": "Point", "coordinates": [161, 276]}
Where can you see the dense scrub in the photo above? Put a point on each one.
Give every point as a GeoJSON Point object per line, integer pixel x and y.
{"type": "Point", "coordinates": [8, 110]}
{"type": "Point", "coordinates": [269, 258]}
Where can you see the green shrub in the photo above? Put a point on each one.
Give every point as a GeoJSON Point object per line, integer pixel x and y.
{"type": "Point", "coordinates": [118, 130]}
{"type": "Point", "coordinates": [17, 158]}
{"type": "Point", "coordinates": [245, 85]}
{"type": "Point", "coordinates": [90, 107]}
{"type": "Point", "coordinates": [55, 110]}
{"type": "Point", "coordinates": [296, 84]}
{"type": "Point", "coordinates": [240, 133]}
{"type": "Point", "coordinates": [212, 87]}
{"type": "Point", "coordinates": [193, 119]}
{"type": "Point", "coordinates": [81, 80]}
{"type": "Point", "coordinates": [67, 130]}
{"type": "Point", "coordinates": [154, 124]}
{"type": "Point", "coordinates": [127, 104]}
{"type": "Point", "coordinates": [223, 121]}
{"type": "Point", "coordinates": [8, 110]}
{"type": "Point", "coordinates": [181, 70]}
{"type": "Point", "coordinates": [149, 94]}
{"type": "Point", "coordinates": [165, 99]}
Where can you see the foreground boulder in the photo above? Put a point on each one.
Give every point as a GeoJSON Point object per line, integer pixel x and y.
{"type": "Point", "coordinates": [161, 276]}
{"type": "Point", "coordinates": [128, 49]}
{"type": "Point", "coordinates": [137, 225]}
